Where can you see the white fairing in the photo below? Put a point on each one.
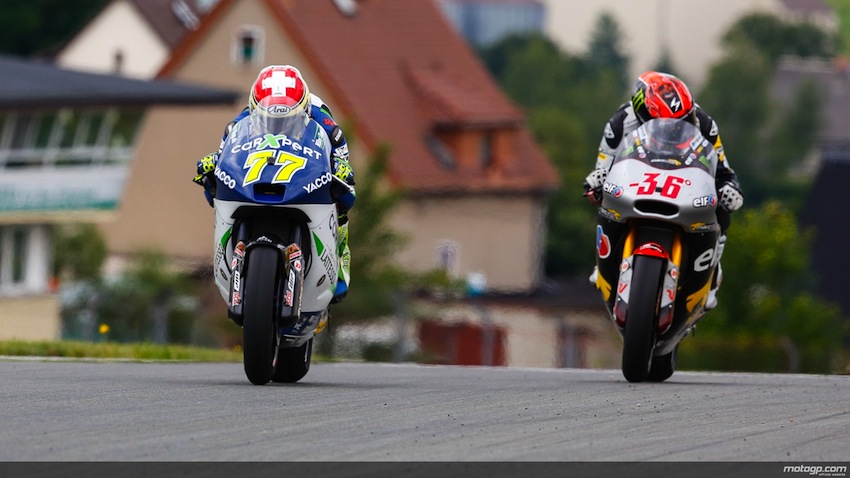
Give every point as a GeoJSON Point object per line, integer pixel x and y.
{"type": "Point", "coordinates": [321, 276]}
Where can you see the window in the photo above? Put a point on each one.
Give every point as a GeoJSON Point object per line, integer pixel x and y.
{"type": "Point", "coordinates": [67, 137]}
{"type": "Point", "coordinates": [22, 131]}
{"type": "Point", "coordinates": [440, 151]}
{"type": "Point", "coordinates": [248, 46]}
{"type": "Point", "coordinates": [346, 7]}
{"type": "Point", "coordinates": [24, 259]}
{"type": "Point", "coordinates": [448, 257]}
{"type": "Point", "coordinates": [13, 255]}
{"type": "Point", "coordinates": [487, 149]}
{"type": "Point", "coordinates": [19, 254]}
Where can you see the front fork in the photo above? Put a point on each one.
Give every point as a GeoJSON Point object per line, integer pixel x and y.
{"type": "Point", "coordinates": [288, 293]}
{"type": "Point", "coordinates": [668, 249]}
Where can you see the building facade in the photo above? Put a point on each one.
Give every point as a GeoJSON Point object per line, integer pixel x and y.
{"type": "Point", "coordinates": [66, 144]}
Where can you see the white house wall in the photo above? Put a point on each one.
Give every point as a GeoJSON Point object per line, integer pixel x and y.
{"type": "Point", "coordinates": [119, 28]}
{"type": "Point", "coordinates": [499, 236]}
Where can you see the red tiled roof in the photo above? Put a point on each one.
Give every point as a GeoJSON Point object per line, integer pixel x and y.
{"type": "Point", "coordinates": [399, 70]}
{"type": "Point", "coordinates": [449, 98]}
{"type": "Point", "coordinates": [162, 17]}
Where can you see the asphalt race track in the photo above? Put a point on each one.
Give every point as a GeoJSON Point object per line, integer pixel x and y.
{"type": "Point", "coordinates": [124, 411]}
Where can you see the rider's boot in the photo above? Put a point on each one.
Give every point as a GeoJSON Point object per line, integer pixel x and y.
{"type": "Point", "coordinates": [344, 254]}
{"type": "Point", "coordinates": [711, 302]}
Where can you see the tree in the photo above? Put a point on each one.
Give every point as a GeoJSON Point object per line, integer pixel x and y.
{"type": "Point", "coordinates": [568, 98]}
{"type": "Point", "coordinates": [40, 27]}
{"type": "Point", "coordinates": [665, 61]}
{"type": "Point", "coordinates": [605, 49]}
{"type": "Point", "coordinates": [775, 38]}
{"type": "Point", "coordinates": [737, 97]}
{"type": "Point", "coordinates": [373, 243]}
{"type": "Point", "coordinates": [765, 139]}
{"type": "Point", "coordinates": [147, 302]}
{"type": "Point", "coordinates": [765, 289]}
{"type": "Point", "coordinates": [570, 237]}
{"type": "Point", "coordinates": [80, 251]}
{"type": "Point", "coordinates": [791, 141]}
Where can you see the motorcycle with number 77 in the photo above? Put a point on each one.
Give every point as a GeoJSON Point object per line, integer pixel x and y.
{"type": "Point", "coordinates": [656, 242]}
{"type": "Point", "coordinates": [275, 241]}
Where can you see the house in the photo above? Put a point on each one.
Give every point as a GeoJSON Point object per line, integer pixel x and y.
{"type": "Point", "coordinates": [397, 74]}
{"type": "Point", "coordinates": [394, 73]}
{"type": "Point", "coordinates": [132, 37]}
{"type": "Point", "coordinates": [67, 139]}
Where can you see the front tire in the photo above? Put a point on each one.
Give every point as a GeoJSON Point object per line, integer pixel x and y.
{"type": "Point", "coordinates": [662, 367]}
{"type": "Point", "coordinates": [639, 334]}
{"type": "Point", "coordinates": [293, 363]}
{"type": "Point", "coordinates": [259, 341]}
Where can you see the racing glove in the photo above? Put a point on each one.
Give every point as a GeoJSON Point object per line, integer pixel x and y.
{"type": "Point", "coordinates": [593, 185]}
{"type": "Point", "coordinates": [343, 170]}
{"type": "Point", "coordinates": [206, 167]}
{"type": "Point", "coordinates": [731, 198]}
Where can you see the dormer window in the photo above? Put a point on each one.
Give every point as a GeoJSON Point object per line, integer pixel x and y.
{"type": "Point", "coordinates": [440, 151]}
{"type": "Point", "coordinates": [486, 149]}
{"type": "Point", "coordinates": [346, 7]}
{"type": "Point", "coordinates": [248, 46]}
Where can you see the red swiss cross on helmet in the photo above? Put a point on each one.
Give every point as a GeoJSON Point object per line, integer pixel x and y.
{"type": "Point", "coordinates": [280, 87]}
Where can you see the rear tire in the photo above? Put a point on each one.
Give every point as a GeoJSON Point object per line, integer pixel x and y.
{"type": "Point", "coordinates": [639, 334]}
{"type": "Point", "coordinates": [259, 339]}
{"type": "Point", "coordinates": [293, 363]}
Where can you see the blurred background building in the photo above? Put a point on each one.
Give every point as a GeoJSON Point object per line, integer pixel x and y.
{"type": "Point", "coordinates": [67, 140]}
{"type": "Point", "coordinates": [484, 22]}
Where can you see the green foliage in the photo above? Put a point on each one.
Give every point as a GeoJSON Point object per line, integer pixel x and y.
{"type": "Point", "coordinates": [764, 140]}
{"type": "Point", "coordinates": [373, 243]}
{"type": "Point", "coordinates": [797, 129]}
{"type": "Point", "coordinates": [791, 141]}
{"type": "Point", "coordinates": [568, 98]}
{"type": "Point", "coordinates": [764, 293]}
{"type": "Point", "coordinates": [147, 303]}
{"type": "Point", "coordinates": [741, 353]}
{"type": "Point", "coordinates": [605, 49]}
{"type": "Point", "coordinates": [111, 350]}
{"type": "Point", "coordinates": [774, 38]}
{"type": "Point", "coordinates": [842, 10]}
{"type": "Point", "coordinates": [80, 251]}
{"type": "Point", "coordinates": [665, 62]}
{"type": "Point", "coordinates": [566, 142]}
{"type": "Point", "coordinates": [736, 96]}
{"type": "Point", "coordinates": [40, 27]}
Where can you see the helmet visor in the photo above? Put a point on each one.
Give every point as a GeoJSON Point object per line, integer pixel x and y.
{"type": "Point", "coordinates": [269, 117]}
{"type": "Point", "coordinates": [670, 137]}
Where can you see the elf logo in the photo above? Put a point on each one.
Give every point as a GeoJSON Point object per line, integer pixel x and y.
{"type": "Point", "coordinates": [705, 201]}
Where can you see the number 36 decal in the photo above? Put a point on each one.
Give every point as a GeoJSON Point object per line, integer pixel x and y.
{"type": "Point", "coordinates": [670, 188]}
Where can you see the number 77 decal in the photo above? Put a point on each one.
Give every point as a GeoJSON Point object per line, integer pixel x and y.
{"type": "Point", "coordinates": [288, 162]}
{"type": "Point", "coordinates": [671, 188]}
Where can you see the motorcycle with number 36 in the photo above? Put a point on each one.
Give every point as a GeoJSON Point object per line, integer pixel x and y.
{"type": "Point", "coordinates": [275, 243]}
{"type": "Point", "coordinates": [659, 205]}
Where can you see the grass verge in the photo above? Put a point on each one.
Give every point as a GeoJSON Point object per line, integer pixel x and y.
{"type": "Point", "coordinates": [110, 350]}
